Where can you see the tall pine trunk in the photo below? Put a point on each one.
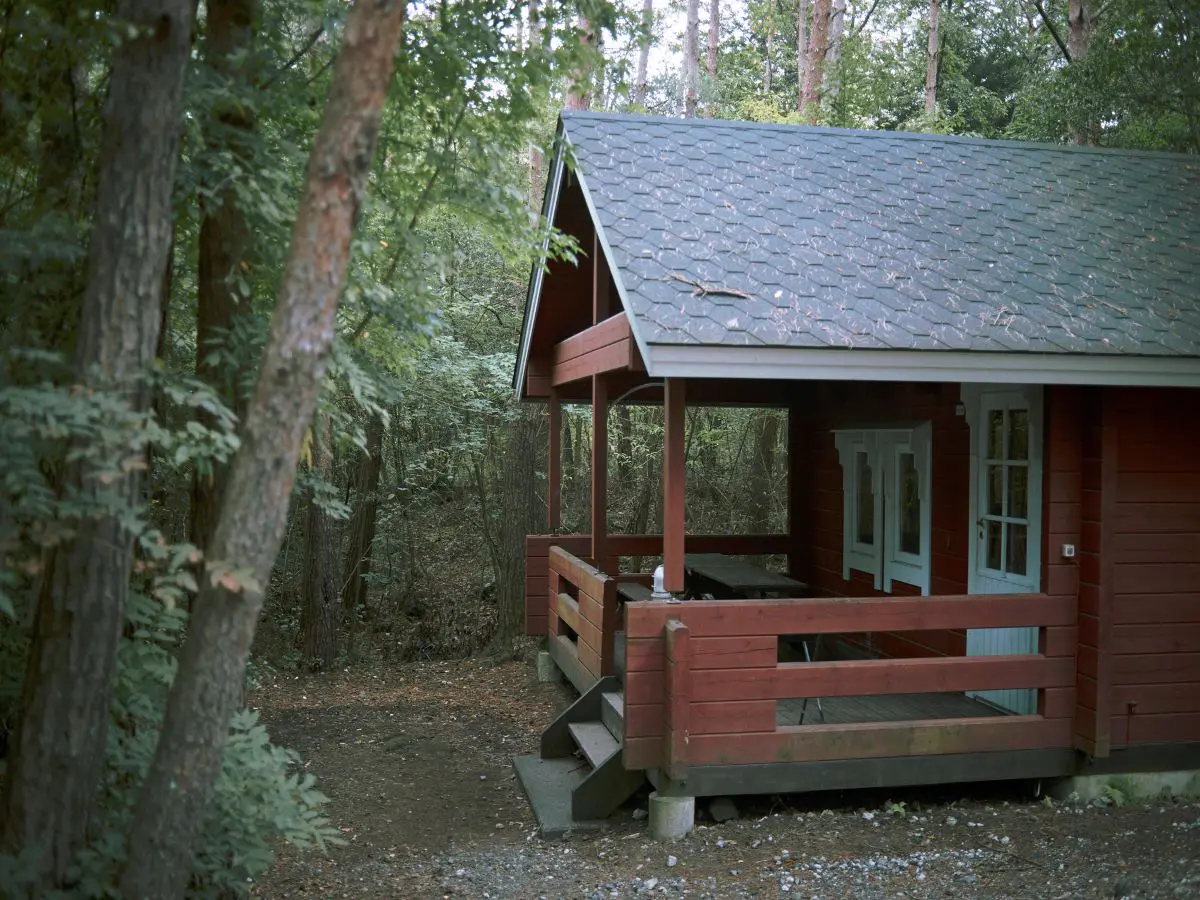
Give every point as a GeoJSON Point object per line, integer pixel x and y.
{"type": "Point", "coordinates": [1079, 36]}
{"type": "Point", "coordinates": [814, 72]}
{"type": "Point", "coordinates": [174, 801]}
{"type": "Point", "coordinates": [579, 94]}
{"type": "Point", "coordinates": [801, 51]}
{"type": "Point", "coordinates": [643, 63]}
{"type": "Point", "coordinates": [58, 755]}
{"type": "Point", "coordinates": [522, 515]}
{"type": "Point", "coordinates": [931, 63]}
{"type": "Point", "coordinates": [691, 58]}
{"type": "Point", "coordinates": [762, 469]}
{"type": "Point", "coordinates": [831, 83]}
{"type": "Point", "coordinates": [714, 36]}
{"type": "Point", "coordinates": [320, 610]}
{"type": "Point", "coordinates": [224, 233]}
{"type": "Point", "coordinates": [357, 566]}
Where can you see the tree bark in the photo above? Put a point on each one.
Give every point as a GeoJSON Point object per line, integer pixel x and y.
{"type": "Point", "coordinates": [321, 610]}
{"type": "Point", "coordinates": [522, 514]}
{"type": "Point", "coordinates": [362, 523]}
{"type": "Point", "coordinates": [801, 51]}
{"type": "Point", "coordinates": [762, 469]}
{"type": "Point", "coordinates": [579, 96]}
{"type": "Point", "coordinates": [691, 59]}
{"type": "Point", "coordinates": [537, 43]}
{"type": "Point", "coordinates": [714, 36]}
{"type": "Point", "coordinates": [643, 64]}
{"type": "Point", "coordinates": [831, 82]}
{"type": "Point", "coordinates": [58, 754]}
{"type": "Point", "coordinates": [224, 235]}
{"type": "Point", "coordinates": [175, 797]}
{"type": "Point", "coordinates": [931, 64]}
{"type": "Point", "coordinates": [814, 73]}
{"type": "Point", "coordinates": [1079, 34]}
{"type": "Point", "coordinates": [769, 58]}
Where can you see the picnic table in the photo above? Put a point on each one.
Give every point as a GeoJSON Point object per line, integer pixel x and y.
{"type": "Point", "coordinates": [717, 573]}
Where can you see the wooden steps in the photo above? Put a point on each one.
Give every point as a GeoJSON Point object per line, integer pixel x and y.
{"type": "Point", "coordinates": [579, 779]}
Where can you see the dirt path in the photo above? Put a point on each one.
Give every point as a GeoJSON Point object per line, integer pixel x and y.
{"type": "Point", "coordinates": [416, 762]}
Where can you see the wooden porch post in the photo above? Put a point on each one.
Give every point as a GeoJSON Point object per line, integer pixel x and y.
{"type": "Point", "coordinates": [554, 465]}
{"type": "Point", "coordinates": [674, 478]}
{"type": "Point", "coordinates": [600, 473]}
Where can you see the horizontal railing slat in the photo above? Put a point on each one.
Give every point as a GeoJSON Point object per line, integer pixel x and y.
{"type": "Point", "coordinates": [824, 615]}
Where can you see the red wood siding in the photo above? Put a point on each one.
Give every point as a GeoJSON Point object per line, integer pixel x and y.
{"type": "Point", "coordinates": [849, 405]}
{"type": "Point", "coordinates": [1155, 556]}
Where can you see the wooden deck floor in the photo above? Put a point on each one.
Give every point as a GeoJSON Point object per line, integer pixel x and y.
{"type": "Point", "coordinates": [883, 708]}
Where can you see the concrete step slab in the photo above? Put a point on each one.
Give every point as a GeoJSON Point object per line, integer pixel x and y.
{"type": "Point", "coordinates": [549, 784]}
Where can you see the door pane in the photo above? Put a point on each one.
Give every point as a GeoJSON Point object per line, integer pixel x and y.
{"type": "Point", "coordinates": [1017, 546]}
{"type": "Point", "coordinates": [864, 528]}
{"type": "Point", "coordinates": [994, 555]}
{"type": "Point", "coordinates": [910, 505]}
{"type": "Point", "coordinates": [1018, 492]}
{"type": "Point", "coordinates": [995, 434]}
{"type": "Point", "coordinates": [995, 491]}
{"type": "Point", "coordinates": [1018, 434]}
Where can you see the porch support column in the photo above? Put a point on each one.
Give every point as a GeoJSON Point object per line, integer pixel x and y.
{"type": "Point", "coordinates": [600, 473]}
{"type": "Point", "coordinates": [674, 478]}
{"type": "Point", "coordinates": [796, 512]}
{"type": "Point", "coordinates": [554, 465]}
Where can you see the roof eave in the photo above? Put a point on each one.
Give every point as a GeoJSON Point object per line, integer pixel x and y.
{"type": "Point", "coordinates": [537, 273]}
{"type": "Point", "coordinates": [955, 366]}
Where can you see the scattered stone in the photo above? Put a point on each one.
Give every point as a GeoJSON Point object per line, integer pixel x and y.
{"type": "Point", "coordinates": [672, 862]}
{"type": "Point", "coordinates": [722, 809]}
{"type": "Point", "coordinates": [639, 814]}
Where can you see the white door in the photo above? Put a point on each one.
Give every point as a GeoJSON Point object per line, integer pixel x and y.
{"type": "Point", "coordinates": [1007, 515]}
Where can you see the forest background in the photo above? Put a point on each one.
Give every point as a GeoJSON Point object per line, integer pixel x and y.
{"type": "Point", "coordinates": [416, 474]}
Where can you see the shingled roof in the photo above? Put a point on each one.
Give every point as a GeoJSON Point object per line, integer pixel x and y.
{"type": "Point", "coordinates": [737, 235]}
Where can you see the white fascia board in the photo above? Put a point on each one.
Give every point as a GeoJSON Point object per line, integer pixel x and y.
{"type": "Point", "coordinates": [984, 367]}
{"type": "Point", "coordinates": [643, 348]}
{"type": "Point", "coordinates": [554, 188]}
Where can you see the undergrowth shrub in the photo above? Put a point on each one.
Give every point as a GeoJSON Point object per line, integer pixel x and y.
{"type": "Point", "coordinates": [261, 796]}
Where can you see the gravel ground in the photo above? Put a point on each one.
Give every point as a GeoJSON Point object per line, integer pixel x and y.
{"type": "Point", "coordinates": [417, 763]}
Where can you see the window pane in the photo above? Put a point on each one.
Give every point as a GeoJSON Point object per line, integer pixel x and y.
{"type": "Point", "coordinates": [864, 530]}
{"type": "Point", "coordinates": [1017, 545]}
{"type": "Point", "coordinates": [1018, 492]}
{"type": "Point", "coordinates": [995, 434]}
{"type": "Point", "coordinates": [910, 504]}
{"type": "Point", "coordinates": [994, 554]}
{"type": "Point", "coordinates": [1018, 434]}
{"type": "Point", "coordinates": [995, 491]}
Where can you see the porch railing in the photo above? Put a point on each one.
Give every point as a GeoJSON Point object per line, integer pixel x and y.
{"type": "Point", "coordinates": [582, 618]}
{"type": "Point", "coordinates": [537, 553]}
{"type": "Point", "coordinates": [703, 679]}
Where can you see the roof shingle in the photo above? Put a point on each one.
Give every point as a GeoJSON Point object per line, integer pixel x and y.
{"type": "Point", "coordinates": [892, 241]}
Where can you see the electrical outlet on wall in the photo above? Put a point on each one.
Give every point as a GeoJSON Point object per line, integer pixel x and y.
{"type": "Point", "coordinates": [1068, 551]}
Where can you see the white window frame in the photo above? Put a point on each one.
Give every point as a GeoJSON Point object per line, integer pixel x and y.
{"type": "Point", "coordinates": [884, 559]}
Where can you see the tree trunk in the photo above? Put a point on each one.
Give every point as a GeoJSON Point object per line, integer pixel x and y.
{"type": "Point", "coordinates": [691, 59]}
{"type": "Point", "coordinates": [174, 801]}
{"type": "Point", "coordinates": [769, 58]}
{"type": "Point", "coordinates": [1079, 34]}
{"type": "Point", "coordinates": [536, 40]}
{"type": "Point", "coordinates": [643, 64]}
{"type": "Point", "coordinates": [714, 36]}
{"type": "Point", "coordinates": [58, 754]}
{"type": "Point", "coordinates": [931, 64]}
{"type": "Point", "coordinates": [362, 523]}
{"type": "Point", "coordinates": [224, 235]}
{"type": "Point", "coordinates": [762, 468]}
{"type": "Point", "coordinates": [831, 82]}
{"type": "Point", "coordinates": [801, 51]}
{"type": "Point", "coordinates": [814, 73]}
{"type": "Point", "coordinates": [579, 95]}
{"type": "Point", "coordinates": [522, 514]}
{"type": "Point", "coordinates": [320, 612]}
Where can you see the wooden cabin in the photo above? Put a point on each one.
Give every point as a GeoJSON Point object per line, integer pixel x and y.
{"type": "Point", "coordinates": [989, 354]}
